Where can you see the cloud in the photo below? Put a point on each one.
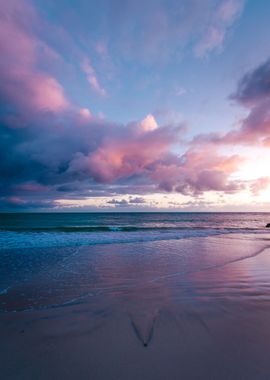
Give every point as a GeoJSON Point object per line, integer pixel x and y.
{"type": "Point", "coordinates": [127, 151]}
{"type": "Point", "coordinates": [136, 200]}
{"type": "Point", "coordinates": [73, 154]}
{"type": "Point", "coordinates": [64, 150]}
{"type": "Point", "coordinates": [72, 160]}
{"type": "Point", "coordinates": [92, 78]}
{"type": "Point", "coordinates": [149, 123]}
{"type": "Point", "coordinates": [22, 84]}
{"type": "Point", "coordinates": [151, 32]}
{"type": "Point", "coordinates": [220, 22]}
{"type": "Point", "coordinates": [118, 202]}
{"type": "Point", "coordinates": [252, 92]}
{"type": "Point", "coordinates": [259, 185]}
{"type": "Point", "coordinates": [18, 203]}
{"type": "Point", "coordinates": [254, 87]}
{"type": "Point", "coordinates": [198, 171]}
{"type": "Point", "coordinates": [85, 114]}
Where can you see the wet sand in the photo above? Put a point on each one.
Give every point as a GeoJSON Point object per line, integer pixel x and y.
{"type": "Point", "coordinates": [189, 309]}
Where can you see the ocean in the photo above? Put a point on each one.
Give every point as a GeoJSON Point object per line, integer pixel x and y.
{"type": "Point", "coordinates": [135, 295]}
{"type": "Point", "coordinates": [76, 229]}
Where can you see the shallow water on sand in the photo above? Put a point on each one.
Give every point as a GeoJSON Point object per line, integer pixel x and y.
{"type": "Point", "coordinates": [43, 278]}
{"type": "Point", "coordinates": [194, 308]}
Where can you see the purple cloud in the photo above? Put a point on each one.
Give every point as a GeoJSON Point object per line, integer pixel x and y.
{"type": "Point", "coordinates": [254, 87]}
{"type": "Point", "coordinates": [50, 146]}
{"type": "Point", "coordinates": [23, 84]}
{"type": "Point", "coordinates": [198, 171]}
{"type": "Point", "coordinates": [253, 92]}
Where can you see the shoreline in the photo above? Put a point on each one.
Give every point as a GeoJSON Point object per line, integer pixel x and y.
{"type": "Point", "coordinates": [198, 322]}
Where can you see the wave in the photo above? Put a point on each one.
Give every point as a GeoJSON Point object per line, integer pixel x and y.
{"type": "Point", "coordinates": [76, 229]}
{"type": "Point", "coordinates": [14, 240]}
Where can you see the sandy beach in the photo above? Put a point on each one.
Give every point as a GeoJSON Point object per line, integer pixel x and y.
{"type": "Point", "coordinates": [193, 309]}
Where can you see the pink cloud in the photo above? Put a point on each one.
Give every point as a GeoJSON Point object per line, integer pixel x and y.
{"type": "Point", "coordinates": [129, 153]}
{"type": "Point", "coordinates": [35, 91]}
{"type": "Point", "coordinates": [198, 171]}
{"type": "Point", "coordinates": [148, 124]}
{"type": "Point", "coordinates": [259, 185]}
{"type": "Point", "coordinates": [85, 114]}
{"type": "Point", "coordinates": [137, 152]}
{"type": "Point", "coordinates": [22, 82]}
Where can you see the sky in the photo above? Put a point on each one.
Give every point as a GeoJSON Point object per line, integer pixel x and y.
{"type": "Point", "coordinates": [122, 105]}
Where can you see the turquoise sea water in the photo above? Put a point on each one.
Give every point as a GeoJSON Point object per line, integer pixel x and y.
{"type": "Point", "coordinates": [75, 229]}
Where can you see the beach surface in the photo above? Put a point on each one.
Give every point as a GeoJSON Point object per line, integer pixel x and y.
{"type": "Point", "coordinates": [196, 307]}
